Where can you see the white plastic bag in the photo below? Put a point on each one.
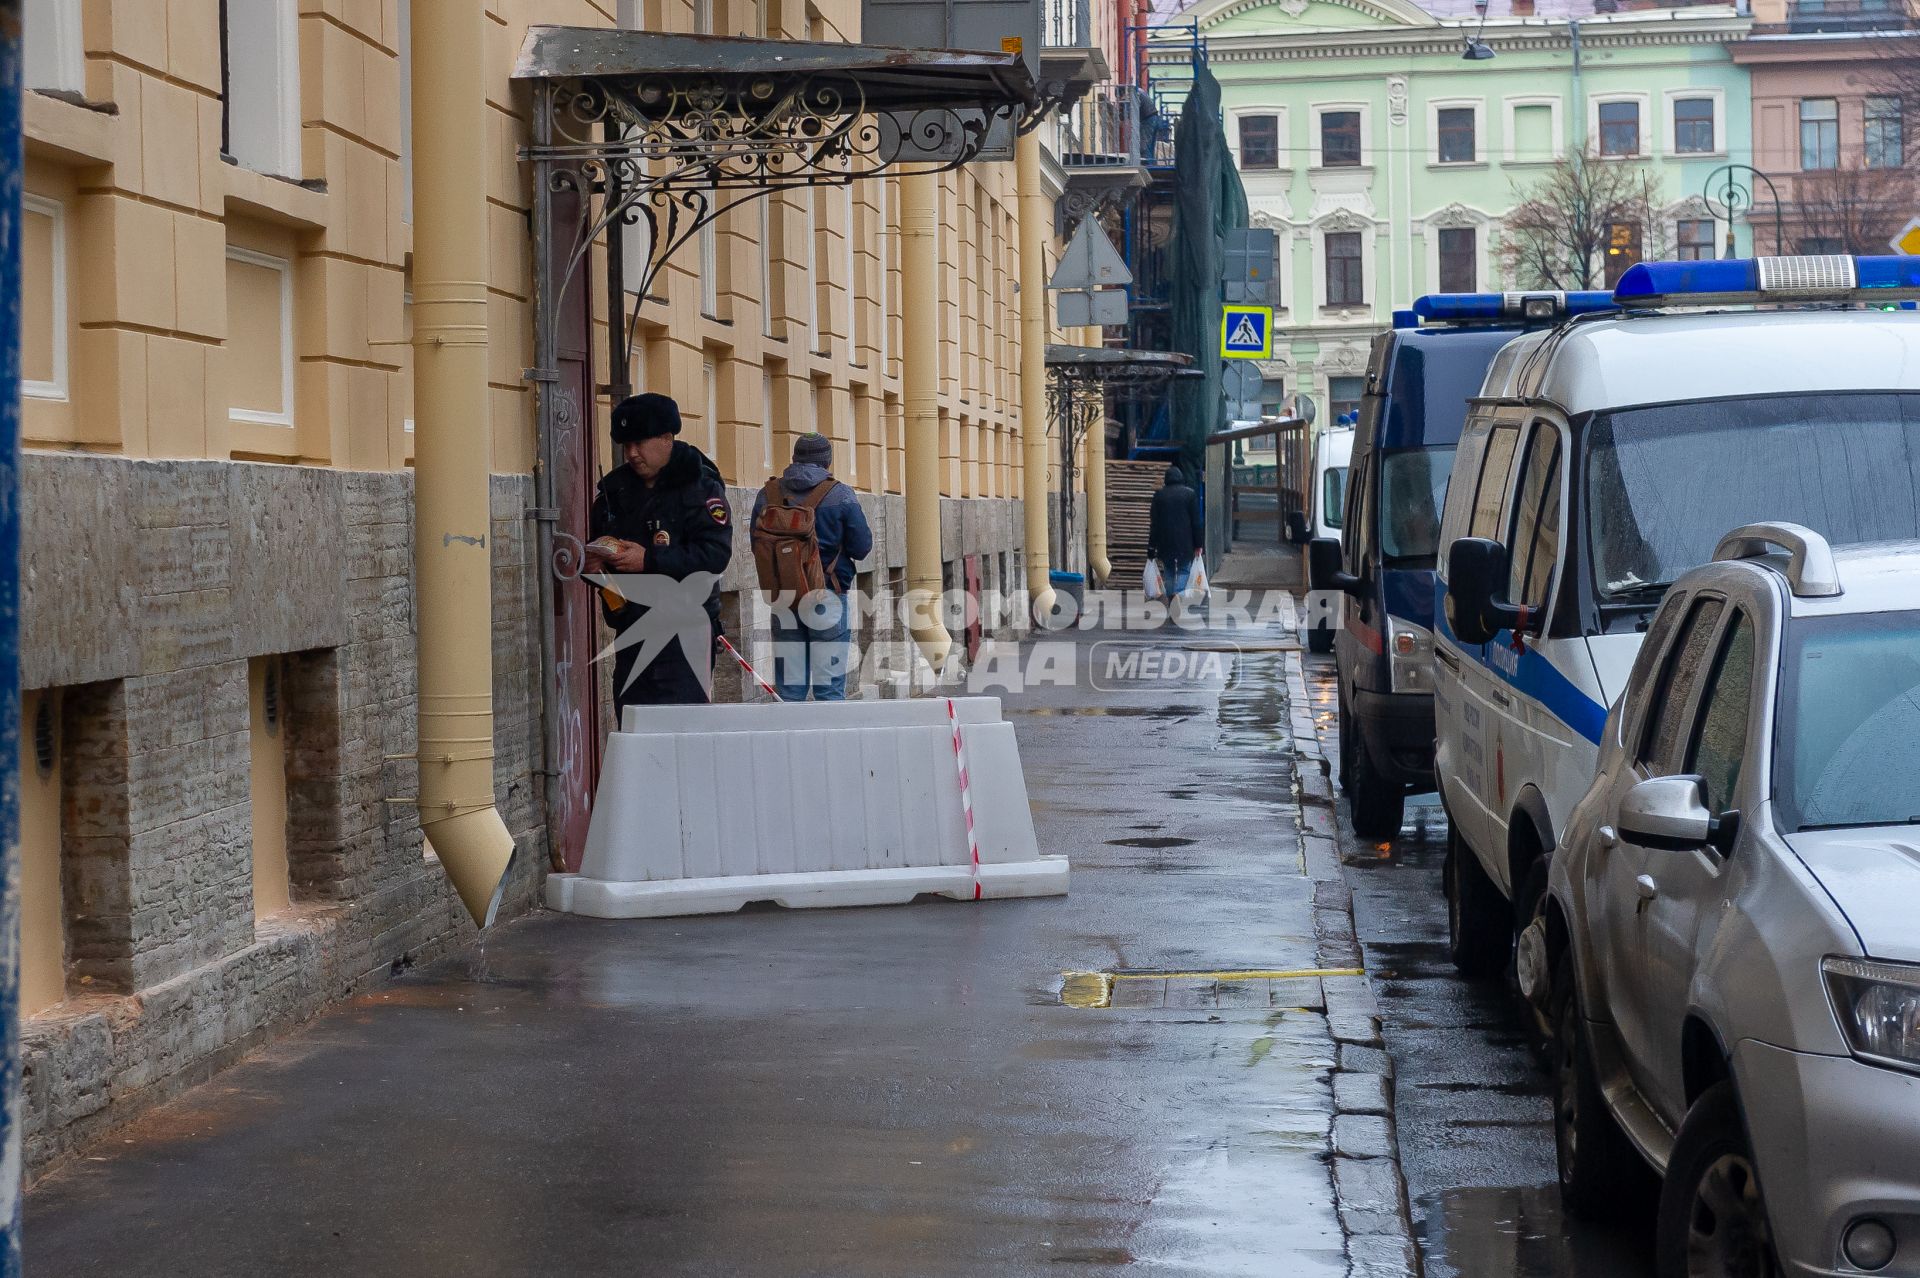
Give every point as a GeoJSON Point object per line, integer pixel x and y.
{"type": "Point", "coordinates": [1151, 582]}
{"type": "Point", "coordinates": [1196, 592]}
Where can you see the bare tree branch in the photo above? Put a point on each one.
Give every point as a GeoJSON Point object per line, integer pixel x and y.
{"type": "Point", "coordinates": [1559, 234]}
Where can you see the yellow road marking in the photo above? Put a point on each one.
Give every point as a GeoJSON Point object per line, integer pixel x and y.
{"type": "Point", "coordinates": [1095, 989]}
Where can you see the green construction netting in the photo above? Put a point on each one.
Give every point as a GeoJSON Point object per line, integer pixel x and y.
{"type": "Point", "coordinates": [1208, 200]}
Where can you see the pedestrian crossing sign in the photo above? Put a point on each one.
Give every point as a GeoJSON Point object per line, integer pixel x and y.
{"type": "Point", "coordinates": [1246, 332]}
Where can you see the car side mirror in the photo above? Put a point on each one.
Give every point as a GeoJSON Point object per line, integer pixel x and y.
{"type": "Point", "coordinates": [1670, 814]}
{"type": "Point", "coordinates": [1476, 575]}
{"type": "Point", "coordinates": [1297, 530]}
{"type": "Point", "coordinates": [1326, 567]}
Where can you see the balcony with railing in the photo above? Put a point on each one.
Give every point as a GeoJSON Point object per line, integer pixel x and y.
{"type": "Point", "coordinates": [1809, 17]}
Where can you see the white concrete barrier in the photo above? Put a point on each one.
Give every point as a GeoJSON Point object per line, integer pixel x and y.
{"type": "Point", "coordinates": [702, 809]}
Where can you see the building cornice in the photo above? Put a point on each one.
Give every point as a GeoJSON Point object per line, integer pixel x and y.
{"type": "Point", "coordinates": [1445, 39]}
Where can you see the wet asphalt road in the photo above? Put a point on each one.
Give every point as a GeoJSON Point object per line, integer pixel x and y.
{"type": "Point", "coordinates": [1476, 1125]}
{"type": "Point", "coordinates": [890, 1091]}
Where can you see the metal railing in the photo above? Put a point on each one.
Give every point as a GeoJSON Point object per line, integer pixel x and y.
{"type": "Point", "coordinates": [1262, 496]}
{"type": "Point", "coordinates": [1103, 129]}
{"type": "Point", "coordinates": [1066, 24]}
{"type": "Point", "coordinates": [1805, 17]}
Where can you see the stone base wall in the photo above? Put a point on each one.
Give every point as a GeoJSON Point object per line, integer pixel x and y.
{"type": "Point", "coordinates": [147, 587]}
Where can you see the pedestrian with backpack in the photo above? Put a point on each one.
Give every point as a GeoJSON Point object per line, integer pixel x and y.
{"type": "Point", "coordinates": [808, 532]}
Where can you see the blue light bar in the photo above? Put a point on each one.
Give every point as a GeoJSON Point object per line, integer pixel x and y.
{"type": "Point", "coordinates": [1405, 319]}
{"type": "Point", "coordinates": [1834, 278]}
{"type": "Point", "coordinates": [1507, 308]}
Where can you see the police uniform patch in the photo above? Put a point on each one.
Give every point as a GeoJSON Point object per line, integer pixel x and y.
{"type": "Point", "coordinates": [717, 507]}
{"type": "Point", "coordinates": [662, 538]}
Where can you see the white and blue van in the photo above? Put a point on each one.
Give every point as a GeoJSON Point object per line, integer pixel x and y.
{"type": "Point", "coordinates": [1602, 459]}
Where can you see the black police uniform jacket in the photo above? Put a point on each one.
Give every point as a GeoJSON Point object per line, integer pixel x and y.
{"type": "Point", "coordinates": [683, 520]}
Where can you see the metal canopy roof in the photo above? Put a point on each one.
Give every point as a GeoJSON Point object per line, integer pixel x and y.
{"type": "Point", "coordinates": [864, 76]}
{"type": "Point", "coordinates": [1115, 364]}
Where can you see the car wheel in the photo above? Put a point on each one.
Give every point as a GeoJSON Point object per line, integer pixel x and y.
{"type": "Point", "coordinates": [1592, 1151]}
{"type": "Point", "coordinates": [1377, 804]}
{"type": "Point", "coordinates": [1479, 921]}
{"type": "Point", "coordinates": [1319, 639]}
{"type": "Point", "coordinates": [1713, 1223]}
{"type": "Point", "coordinates": [1531, 974]}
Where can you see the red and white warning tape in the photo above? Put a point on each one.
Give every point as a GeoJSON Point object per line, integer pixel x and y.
{"type": "Point", "coordinates": [771, 690]}
{"type": "Point", "coordinates": [966, 795]}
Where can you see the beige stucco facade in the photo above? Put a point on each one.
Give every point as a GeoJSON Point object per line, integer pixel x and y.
{"type": "Point", "coordinates": [219, 608]}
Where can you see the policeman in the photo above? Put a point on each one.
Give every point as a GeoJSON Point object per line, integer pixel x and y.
{"type": "Point", "coordinates": [663, 512]}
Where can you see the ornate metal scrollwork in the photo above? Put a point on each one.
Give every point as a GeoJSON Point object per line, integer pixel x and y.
{"type": "Point", "coordinates": [676, 152]}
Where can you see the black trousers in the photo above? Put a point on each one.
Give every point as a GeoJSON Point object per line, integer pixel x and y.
{"type": "Point", "coordinates": [669, 679]}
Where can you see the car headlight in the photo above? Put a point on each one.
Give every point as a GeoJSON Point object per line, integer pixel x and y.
{"type": "Point", "coordinates": [1879, 1008]}
{"type": "Point", "coordinates": [1410, 653]}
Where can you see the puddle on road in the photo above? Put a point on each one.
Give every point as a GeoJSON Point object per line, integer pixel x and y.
{"type": "Point", "coordinates": [1151, 841]}
{"type": "Point", "coordinates": [1115, 712]}
{"type": "Point", "coordinates": [1523, 1233]}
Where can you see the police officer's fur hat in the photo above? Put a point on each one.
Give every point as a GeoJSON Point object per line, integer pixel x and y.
{"type": "Point", "coordinates": [641, 417]}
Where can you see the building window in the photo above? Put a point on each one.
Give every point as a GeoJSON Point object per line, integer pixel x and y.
{"type": "Point", "coordinates": [1885, 141]}
{"type": "Point", "coordinates": [1694, 240]}
{"type": "Point", "coordinates": [1819, 134]}
{"type": "Point", "coordinates": [260, 337]}
{"type": "Point", "coordinates": [260, 123]}
{"type": "Point", "coordinates": [1340, 139]}
{"type": "Point", "coordinates": [1619, 129]}
{"type": "Point", "coordinates": [1456, 135]}
{"type": "Point", "coordinates": [1693, 126]}
{"type": "Point", "coordinates": [1344, 280]}
{"type": "Point", "coordinates": [1259, 141]}
{"type": "Point", "coordinates": [53, 56]}
{"type": "Point", "coordinates": [1623, 249]}
{"type": "Point", "coordinates": [43, 298]}
{"type": "Point", "coordinates": [1343, 395]}
{"type": "Point", "coordinates": [1458, 273]}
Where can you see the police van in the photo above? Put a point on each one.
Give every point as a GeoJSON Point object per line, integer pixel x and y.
{"type": "Point", "coordinates": [1326, 498]}
{"type": "Point", "coordinates": [1604, 458]}
{"type": "Point", "coordinates": [1381, 557]}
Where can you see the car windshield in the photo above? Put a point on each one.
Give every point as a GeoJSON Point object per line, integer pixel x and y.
{"type": "Point", "coordinates": [1333, 496]}
{"type": "Point", "coordinates": [1849, 722]}
{"type": "Point", "coordinates": [1665, 484]}
{"type": "Point", "coordinates": [1413, 488]}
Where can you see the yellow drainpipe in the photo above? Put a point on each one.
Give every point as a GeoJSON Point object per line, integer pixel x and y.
{"type": "Point", "coordinates": [920, 388]}
{"type": "Point", "coordinates": [453, 452]}
{"type": "Point", "coordinates": [1033, 365]}
{"type": "Point", "coordinates": [1098, 564]}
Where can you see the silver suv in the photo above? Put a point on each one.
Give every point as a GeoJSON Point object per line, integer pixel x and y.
{"type": "Point", "coordinates": [1730, 953]}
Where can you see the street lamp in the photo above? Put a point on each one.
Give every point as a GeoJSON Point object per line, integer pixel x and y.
{"type": "Point", "coordinates": [1735, 195]}
{"type": "Point", "coordinates": [1478, 50]}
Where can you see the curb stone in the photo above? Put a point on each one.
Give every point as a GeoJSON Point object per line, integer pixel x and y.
{"type": "Point", "coordinates": [1369, 1190]}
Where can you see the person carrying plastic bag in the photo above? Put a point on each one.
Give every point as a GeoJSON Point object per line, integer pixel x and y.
{"type": "Point", "coordinates": [1174, 535]}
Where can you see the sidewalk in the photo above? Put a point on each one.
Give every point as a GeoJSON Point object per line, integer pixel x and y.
{"type": "Point", "coordinates": [889, 1091]}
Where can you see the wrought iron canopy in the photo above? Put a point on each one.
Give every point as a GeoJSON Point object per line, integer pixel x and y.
{"type": "Point", "coordinates": [1106, 366]}
{"type": "Point", "coordinates": [674, 130]}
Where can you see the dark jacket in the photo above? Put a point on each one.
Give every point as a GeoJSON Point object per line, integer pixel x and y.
{"type": "Point", "coordinates": [682, 519]}
{"type": "Point", "coordinates": [838, 521]}
{"type": "Point", "coordinates": [1174, 531]}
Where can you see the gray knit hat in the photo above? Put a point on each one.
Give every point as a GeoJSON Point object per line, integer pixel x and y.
{"type": "Point", "coordinates": [815, 448]}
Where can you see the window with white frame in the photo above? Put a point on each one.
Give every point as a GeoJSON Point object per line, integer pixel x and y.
{"type": "Point", "coordinates": [53, 57]}
{"type": "Point", "coordinates": [1455, 130]}
{"type": "Point", "coordinates": [768, 416]}
{"type": "Point", "coordinates": [1618, 134]}
{"type": "Point", "coordinates": [1533, 134]}
{"type": "Point", "coordinates": [1459, 265]}
{"type": "Point", "coordinates": [1819, 134]}
{"type": "Point", "coordinates": [710, 384]}
{"type": "Point", "coordinates": [259, 337]}
{"type": "Point", "coordinates": [1693, 239]}
{"type": "Point", "coordinates": [260, 121]}
{"type": "Point", "coordinates": [1693, 127]}
{"type": "Point", "coordinates": [1346, 275]}
{"type": "Point", "coordinates": [1885, 136]}
{"type": "Point", "coordinates": [1259, 141]}
{"type": "Point", "coordinates": [1340, 138]}
{"type": "Point", "coordinates": [43, 298]}
{"type": "Point", "coordinates": [709, 271]}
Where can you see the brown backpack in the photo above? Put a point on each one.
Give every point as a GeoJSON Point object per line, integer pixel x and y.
{"type": "Point", "coordinates": [786, 547]}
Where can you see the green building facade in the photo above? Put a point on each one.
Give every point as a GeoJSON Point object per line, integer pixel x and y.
{"type": "Point", "coordinates": [1385, 162]}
